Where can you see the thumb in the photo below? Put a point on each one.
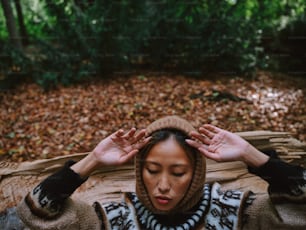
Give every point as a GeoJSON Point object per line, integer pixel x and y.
{"type": "Point", "coordinates": [208, 154]}
{"type": "Point", "coordinates": [125, 158]}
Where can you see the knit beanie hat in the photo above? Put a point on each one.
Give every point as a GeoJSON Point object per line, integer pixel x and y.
{"type": "Point", "coordinates": [195, 190]}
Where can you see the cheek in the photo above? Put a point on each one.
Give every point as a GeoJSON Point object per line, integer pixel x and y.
{"type": "Point", "coordinates": [148, 180]}
{"type": "Point", "coordinates": [182, 184]}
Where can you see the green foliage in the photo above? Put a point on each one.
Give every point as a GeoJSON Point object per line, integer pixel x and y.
{"type": "Point", "coordinates": [76, 39]}
{"type": "Point", "coordinates": [3, 32]}
{"type": "Point", "coordinates": [13, 63]}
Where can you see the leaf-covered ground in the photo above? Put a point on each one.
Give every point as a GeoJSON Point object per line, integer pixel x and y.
{"type": "Point", "coordinates": [35, 124]}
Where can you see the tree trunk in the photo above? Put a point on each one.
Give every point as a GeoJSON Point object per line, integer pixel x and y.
{"type": "Point", "coordinates": [22, 28]}
{"type": "Point", "coordinates": [10, 24]}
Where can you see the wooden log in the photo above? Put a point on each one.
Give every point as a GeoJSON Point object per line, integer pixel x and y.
{"type": "Point", "coordinates": [108, 183]}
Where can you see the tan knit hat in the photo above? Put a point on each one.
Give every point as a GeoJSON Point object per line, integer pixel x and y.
{"type": "Point", "coordinates": [195, 191]}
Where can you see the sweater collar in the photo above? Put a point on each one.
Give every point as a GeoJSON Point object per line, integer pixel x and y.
{"type": "Point", "coordinates": [188, 220]}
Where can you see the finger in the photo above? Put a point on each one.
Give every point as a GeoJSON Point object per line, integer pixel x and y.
{"type": "Point", "coordinates": [119, 133]}
{"type": "Point", "coordinates": [134, 137]}
{"type": "Point", "coordinates": [206, 132]}
{"type": "Point", "coordinates": [129, 155]}
{"type": "Point", "coordinates": [209, 154]}
{"type": "Point", "coordinates": [142, 143]}
{"type": "Point", "coordinates": [129, 134]}
{"type": "Point", "coordinates": [200, 137]}
{"type": "Point", "coordinates": [141, 134]}
{"type": "Point", "coordinates": [212, 128]}
{"type": "Point", "coordinates": [195, 144]}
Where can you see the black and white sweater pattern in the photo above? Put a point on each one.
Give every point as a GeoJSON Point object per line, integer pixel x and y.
{"type": "Point", "coordinates": [216, 210]}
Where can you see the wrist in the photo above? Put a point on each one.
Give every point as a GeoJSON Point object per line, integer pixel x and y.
{"type": "Point", "coordinates": [253, 157]}
{"type": "Point", "coordinates": [86, 166]}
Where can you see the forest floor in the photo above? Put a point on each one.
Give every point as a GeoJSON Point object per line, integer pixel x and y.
{"type": "Point", "coordinates": [37, 124]}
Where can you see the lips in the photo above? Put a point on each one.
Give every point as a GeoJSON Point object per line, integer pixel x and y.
{"type": "Point", "coordinates": [162, 200]}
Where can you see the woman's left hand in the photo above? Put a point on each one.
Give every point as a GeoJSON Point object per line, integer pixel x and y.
{"type": "Point", "coordinates": [221, 145]}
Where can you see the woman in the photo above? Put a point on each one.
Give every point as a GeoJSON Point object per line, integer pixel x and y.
{"type": "Point", "coordinates": [170, 185]}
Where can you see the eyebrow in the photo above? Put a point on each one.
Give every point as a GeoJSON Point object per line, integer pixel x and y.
{"type": "Point", "coordinates": [172, 166]}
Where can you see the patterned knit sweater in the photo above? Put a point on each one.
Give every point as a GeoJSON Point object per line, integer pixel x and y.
{"type": "Point", "coordinates": [49, 205]}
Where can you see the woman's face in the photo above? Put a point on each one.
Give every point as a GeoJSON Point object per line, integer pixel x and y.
{"type": "Point", "coordinates": [167, 174]}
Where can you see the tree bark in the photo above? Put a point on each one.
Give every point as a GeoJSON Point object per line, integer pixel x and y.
{"type": "Point", "coordinates": [11, 24]}
{"type": "Point", "coordinates": [22, 28]}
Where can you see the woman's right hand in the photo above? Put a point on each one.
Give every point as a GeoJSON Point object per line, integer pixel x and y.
{"type": "Point", "coordinates": [119, 147]}
{"type": "Point", "coordinates": [116, 149]}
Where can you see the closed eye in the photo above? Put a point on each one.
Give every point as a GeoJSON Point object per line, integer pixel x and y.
{"type": "Point", "coordinates": [152, 171]}
{"type": "Point", "coordinates": [178, 174]}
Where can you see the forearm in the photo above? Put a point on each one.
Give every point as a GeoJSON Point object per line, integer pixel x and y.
{"type": "Point", "coordinates": [47, 199]}
{"type": "Point", "coordinates": [85, 166]}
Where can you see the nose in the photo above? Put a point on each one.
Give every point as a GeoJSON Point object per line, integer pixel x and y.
{"type": "Point", "coordinates": [164, 185]}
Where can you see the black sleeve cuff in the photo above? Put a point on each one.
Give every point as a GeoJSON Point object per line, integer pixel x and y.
{"type": "Point", "coordinates": [281, 176]}
{"type": "Point", "coordinates": [62, 183]}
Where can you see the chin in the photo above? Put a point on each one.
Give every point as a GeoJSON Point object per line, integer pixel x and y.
{"type": "Point", "coordinates": [163, 207]}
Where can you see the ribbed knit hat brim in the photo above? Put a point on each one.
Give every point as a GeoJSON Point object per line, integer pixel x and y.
{"type": "Point", "coordinates": [173, 122]}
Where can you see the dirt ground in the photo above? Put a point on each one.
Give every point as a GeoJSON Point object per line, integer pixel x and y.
{"type": "Point", "coordinates": [35, 124]}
